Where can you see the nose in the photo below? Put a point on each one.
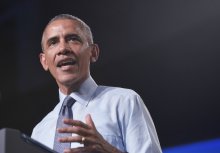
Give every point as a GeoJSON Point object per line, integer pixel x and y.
{"type": "Point", "coordinates": [63, 48]}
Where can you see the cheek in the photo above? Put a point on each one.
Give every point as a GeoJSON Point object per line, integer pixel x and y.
{"type": "Point", "coordinates": [50, 56]}
{"type": "Point", "coordinates": [50, 61]}
{"type": "Point", "coordinates": [85, 60]}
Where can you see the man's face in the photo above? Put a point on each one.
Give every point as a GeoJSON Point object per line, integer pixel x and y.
{"type": "Point", "coordinates": [67, 54]}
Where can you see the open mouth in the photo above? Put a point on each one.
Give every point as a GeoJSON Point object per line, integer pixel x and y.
{"type": "Point", "coordinates": [66, 62]}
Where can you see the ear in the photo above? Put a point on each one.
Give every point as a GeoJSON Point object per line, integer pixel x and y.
{"type": "Point", "coordinates": [43, 61]}
{"type": "Point", "coordinates": [94, 53]}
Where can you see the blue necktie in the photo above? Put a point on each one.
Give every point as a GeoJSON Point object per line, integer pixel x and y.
{"type": "Point", "coordinates": [65, 112]}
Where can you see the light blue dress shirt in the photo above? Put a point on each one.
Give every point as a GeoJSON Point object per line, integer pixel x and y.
{"type": "Point", "coordinates": [119, 115]}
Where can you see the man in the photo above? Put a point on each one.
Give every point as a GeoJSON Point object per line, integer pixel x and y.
{"type": "Point", "coordinates": [105, 119]}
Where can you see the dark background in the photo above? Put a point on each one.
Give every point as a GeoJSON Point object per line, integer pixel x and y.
{"type": "Point", "coordinates": [167, 51]}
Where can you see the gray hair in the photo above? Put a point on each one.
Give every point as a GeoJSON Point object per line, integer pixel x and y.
{"type": "Point", "coordinates": [83, 26]}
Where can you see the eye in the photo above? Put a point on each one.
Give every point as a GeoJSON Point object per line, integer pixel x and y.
{"type": "Point", "coordinates": [73, 38]}
{"type": "Point", "coordinates": [52, 41]}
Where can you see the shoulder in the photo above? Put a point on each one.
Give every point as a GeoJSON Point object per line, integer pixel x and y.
{"type": "Point", "coordinates": [119, 90]}
{"type": "Point", "coordinates": [50, 118]}
{"type": "Point", "coordinates": [42, 123]}
{"type": "Point", "coordinates": [116, 91]}
{"type": "Point", "coordinates": [117, 95]}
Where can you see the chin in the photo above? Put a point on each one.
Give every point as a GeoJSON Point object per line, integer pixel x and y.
{"type": "Point", "coordinates": [69, 80]}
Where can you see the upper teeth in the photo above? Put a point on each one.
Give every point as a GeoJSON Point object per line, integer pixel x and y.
{"type": "Point", "coordinates": [66, 62]}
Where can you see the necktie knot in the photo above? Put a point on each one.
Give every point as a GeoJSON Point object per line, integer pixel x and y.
{"type": "Point", "coordinates": [69, 101]}
{"type": "Point", "coordinates": [67, 104]}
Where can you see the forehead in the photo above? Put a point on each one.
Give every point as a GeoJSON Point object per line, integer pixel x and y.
{"type": "Point", "coordinates": [62, 26]}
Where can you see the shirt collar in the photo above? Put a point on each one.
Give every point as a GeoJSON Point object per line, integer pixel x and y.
{"type": "Point", "coordinates": [84, 93]}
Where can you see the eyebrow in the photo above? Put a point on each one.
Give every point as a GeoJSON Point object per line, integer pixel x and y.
{"type": "Point", "coordinates": [54, 38]}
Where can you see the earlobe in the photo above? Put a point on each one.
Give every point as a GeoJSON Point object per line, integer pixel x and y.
{"type": "Point", "coordinates": [93, 60]}
{"type": "Point", "coordinates": [94, 53]}
{"type": "Point", "coordinates": [43, 61]}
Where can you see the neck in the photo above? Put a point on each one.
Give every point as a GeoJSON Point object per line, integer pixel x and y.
{"type": "Point", "coordinates": [67, 89]}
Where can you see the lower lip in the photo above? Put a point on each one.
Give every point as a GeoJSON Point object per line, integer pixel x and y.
{"type": "Point", "coordinates": [67, 67]}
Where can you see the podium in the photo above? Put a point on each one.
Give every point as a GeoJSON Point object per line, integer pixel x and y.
{"type": "Point", "coordinates": [13, 141]}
